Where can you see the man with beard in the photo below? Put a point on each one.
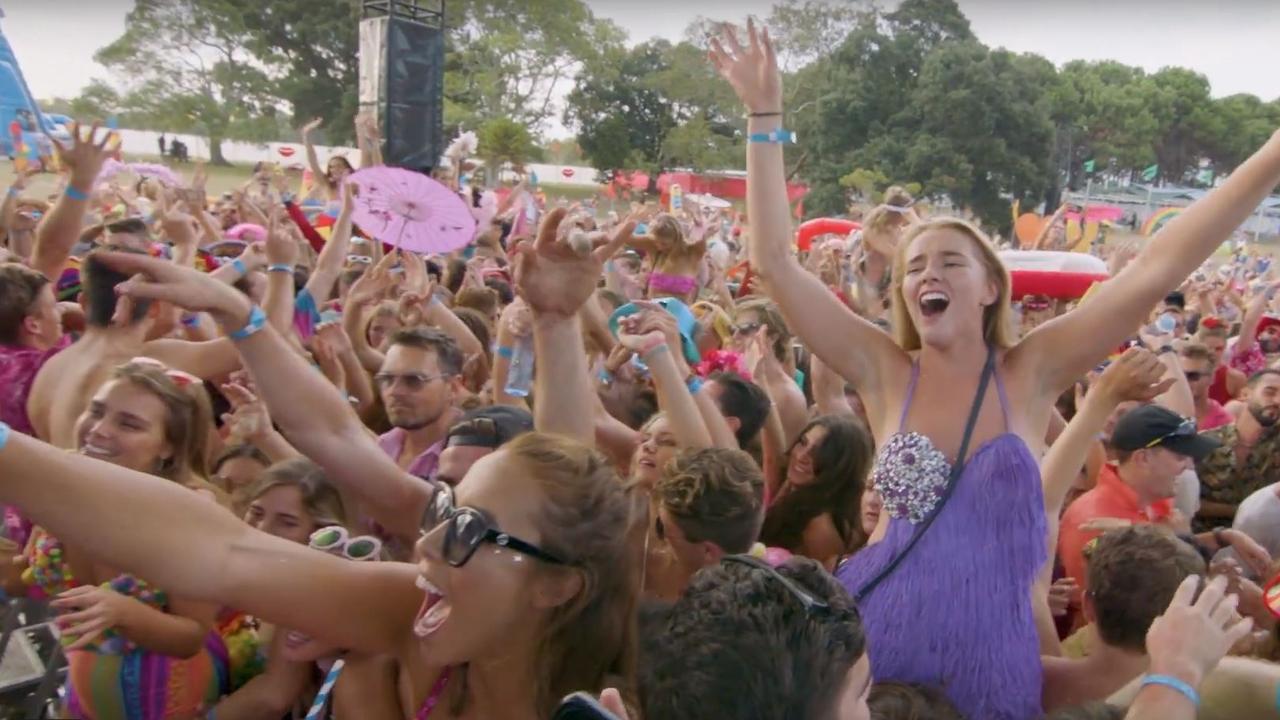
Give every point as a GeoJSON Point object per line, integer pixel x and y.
{"type": "Point", "coordinates": [420, 378]}
{"type": "Point", "coordinates": [1248, 458]}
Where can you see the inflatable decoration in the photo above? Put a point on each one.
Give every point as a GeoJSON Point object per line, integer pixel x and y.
{"type": "Point", "coordinates": [1058, 275]}
{"type": "Point", "coordinates": [822, 226]}
{"type": "Point", "coordinates": [1158, 220]}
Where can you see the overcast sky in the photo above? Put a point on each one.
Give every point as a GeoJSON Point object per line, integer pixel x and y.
{"type": "Point", "coordinates": [1235, 43]}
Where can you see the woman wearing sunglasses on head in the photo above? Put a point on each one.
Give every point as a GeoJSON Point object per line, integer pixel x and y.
{"type": "Point", "coordinates": [524, 593]}
{"type": "Point", "coordinates": [133, 649]}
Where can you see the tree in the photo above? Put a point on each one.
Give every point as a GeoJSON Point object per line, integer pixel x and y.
{"type": "Point", "coordinates": [311, 48]}
{"type": "Point", "coordinates": [509, 58]}
{"type": "Point", "coordinates": [621, 117]}
{"type": "Point", "coordinates": [185, 68]}
{"type": "Point", "coordinates": [503, 140]}
{"type": "Point", "coordinates": [804, 31]}
{"type": "Point", "coordinates": [1237, 125]}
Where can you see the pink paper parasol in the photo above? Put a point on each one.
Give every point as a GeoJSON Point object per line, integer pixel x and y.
{"type": "Point", "coordinates": [409, 210]}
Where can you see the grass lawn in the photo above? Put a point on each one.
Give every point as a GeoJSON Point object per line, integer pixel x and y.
{"type": "Point", "coordinates": [230, 177]}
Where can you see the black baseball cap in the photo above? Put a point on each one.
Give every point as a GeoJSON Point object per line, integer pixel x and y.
{"type": "Point", "coordinates": [1151, 426]}
{"type": "Point", "coordinates": [490, 427]}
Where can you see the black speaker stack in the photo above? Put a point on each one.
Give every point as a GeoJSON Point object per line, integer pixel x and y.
{"type": "Point", "coordinates": [402, 78]}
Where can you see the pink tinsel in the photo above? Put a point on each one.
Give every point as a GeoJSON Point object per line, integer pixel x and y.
{"type": "Point", "coordinates": [157, 171]}
{"type": "Point", "coordinates": [723, 361]}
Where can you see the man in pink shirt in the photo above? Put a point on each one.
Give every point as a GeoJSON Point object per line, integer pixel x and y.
{"type": "Point", "coordinates": [420, 381]}
{"type": "Point", "coordinates": [1199, 363]}
{"type": "Point", "coordinates": [30, 334]}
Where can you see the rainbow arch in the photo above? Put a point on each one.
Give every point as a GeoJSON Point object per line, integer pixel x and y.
{"type": "Point", "coordinates": [1159, 219]}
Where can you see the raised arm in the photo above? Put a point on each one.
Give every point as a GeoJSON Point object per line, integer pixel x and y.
{"type": "Point", "coordinates": [1066, 348]}
{"type": "Point", "coordinates": [649, 334]}
{"type": "Point", "coordinates": [1136, 375]}
{"type": "Point", "coordinates": [314, 416]}
{"type": "Point", "coordinates": [329, 264]}
{"type": "Point", "coordinates": [555, 278]}
{"type": "Point", "coordinates": [125, 515]}
{"type": "Point", "coordinates": [313, 160]}
{"type": "Point", "coordinates": [58, 232]}
{"type": "Point", "coordinates": [853, 347]}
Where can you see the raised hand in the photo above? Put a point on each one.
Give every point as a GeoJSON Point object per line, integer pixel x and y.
{"type": "Point", "coordinates": [280, 247]}
{"type": "Point", "coordinates": [374, 283]}
{"type": "Point", "coordinates": [633, 336]}
{"type": "Point", "coordinates": [1137, 375]}
{"type": "Point", "coordinates": [1189, 639]}
{"type": "Point", "coordinates": [158, 279]}
{"type": "Point", "coordinates": [554, 277]}
{"type": "Point", "coordinates": [248, 419]}
{"type": "Point", "coordinates": [752, 69]}
{"type": "Point", "coordinates": [86, 155]}
{"type": "Point", "coordinates": [311, 127]}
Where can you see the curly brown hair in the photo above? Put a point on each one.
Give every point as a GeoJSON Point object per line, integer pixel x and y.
{"type": "Point", "coordinates": [1133, 574]}
{"type": "Point", "coordinates": [716, 495]}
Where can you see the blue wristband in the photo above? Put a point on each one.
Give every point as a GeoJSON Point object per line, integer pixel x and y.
{"type": "Point", "coordinates": [75, 194]}
{"type": "Point", "coordinates": [4, 434]}
{"type": "Point", "coordinates": [191, 321]}
{"type": "Point", "coordinates": [14, 192]}
{"type": "Point", "coordinates": [695, 384]}
{"type": "Point", "coordinates": [777, 137]}
{"type": "Point", "coordinates": [280, 267]}
{"type": "Point", "coordinates": [1175, 684]}
{"type": "Point", "coordinates": [257, 321]}
{"type": "Point", "coordinates": [238, 264]}
{"type": "Point", "coordinates": [506, 352]}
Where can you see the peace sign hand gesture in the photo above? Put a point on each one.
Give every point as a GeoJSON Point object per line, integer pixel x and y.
{"type": "Point", "coordinates": [752, 69]}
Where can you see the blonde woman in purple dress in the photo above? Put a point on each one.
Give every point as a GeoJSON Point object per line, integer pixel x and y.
{"type": "Point", "coordinates": [946, 587]}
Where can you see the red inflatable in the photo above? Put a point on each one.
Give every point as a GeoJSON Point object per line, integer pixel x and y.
{"type": "Point", "coordinates": [1058, 275]}
{"type": "Point", "coordinates": [822, 226]}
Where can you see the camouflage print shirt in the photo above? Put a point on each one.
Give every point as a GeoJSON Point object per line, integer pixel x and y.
{"type": "Point", "coordinates": [1223, 480]}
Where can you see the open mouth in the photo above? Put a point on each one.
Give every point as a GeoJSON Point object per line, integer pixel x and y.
{"type": "Point", "coordinates": [434, 611]}
{"type": "Point", "coordinates": [933, 303]}
{"type": "Point", "coordinates": [294, 639]}
{"type": "Point", "coordinates": [95, 451]}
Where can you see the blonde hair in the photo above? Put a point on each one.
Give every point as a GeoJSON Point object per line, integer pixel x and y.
{"type": "Point", "coordinates": [187, 423]}
{"type": "Point", "coordinates": [320, 499]}
{"type": "Point", "coordinates": [997, 318]}
{"type": "Point", "coordinates": [587, 518]}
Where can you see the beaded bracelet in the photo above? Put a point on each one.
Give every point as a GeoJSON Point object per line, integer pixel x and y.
{"type": "Point", "coordinates": [257, 321]}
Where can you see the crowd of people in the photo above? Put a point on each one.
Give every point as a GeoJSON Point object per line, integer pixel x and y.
{"type": "Point", "coordinates": [266, 473]}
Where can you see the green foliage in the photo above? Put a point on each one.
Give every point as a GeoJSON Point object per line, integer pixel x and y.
{"type": "Point", "coordinates": [508, 58]}
{"type": "Point", "coordinates": [185, 68]}
{"type": "Point", "coordinates": [503, 140]}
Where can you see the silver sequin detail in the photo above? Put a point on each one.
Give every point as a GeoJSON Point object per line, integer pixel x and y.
{"type": "Point", "coordinates": [911, 476]}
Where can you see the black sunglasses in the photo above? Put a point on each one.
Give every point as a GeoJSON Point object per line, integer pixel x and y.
{"type": "Point", "coordinates": [812, 605]}
{"type": "Point", "coordinates": [746, 328]}
{"type": "Point", "coordinates": [467, 528]}
{"type": "Point", "coordinates": [1195, 376]}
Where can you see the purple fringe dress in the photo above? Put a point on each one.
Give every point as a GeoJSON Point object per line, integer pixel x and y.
{"type": "Point", "coordinates": [956, 613]}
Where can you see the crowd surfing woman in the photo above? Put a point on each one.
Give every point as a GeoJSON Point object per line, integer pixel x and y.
{"type": "Point", "coordinates": [524, 591]}
{"type": "Point", "coordinates": [958, 620]}
{"type": "Point", "coordinates": [133, 649]}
